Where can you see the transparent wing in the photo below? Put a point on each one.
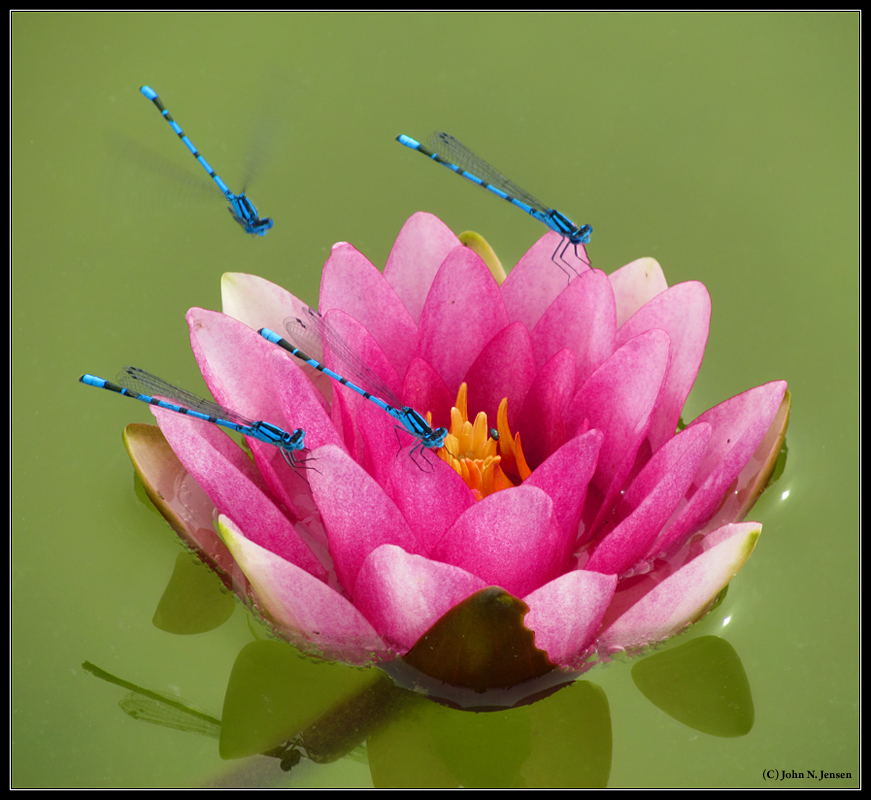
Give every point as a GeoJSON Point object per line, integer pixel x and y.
{"type": "Point", "coordinates": [311, 333]}
{"type": "Point", "coordinates": [450, 149]}
{"type": "Point", "coordinates": [144, 382]}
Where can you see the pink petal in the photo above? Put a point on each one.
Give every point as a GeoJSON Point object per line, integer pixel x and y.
{"type": "Point", "coordinates": [461, 313]}
{"type": "Point", "coordinates": [352, 284]}
{"type": "Point", "coordinates": [425, 391]}
{"type": "Point", "coordinates": [536, 281]}
{"type": "Point", "coordinates": [684, 313]}
{"type": "Point", "coordinates": [257, 302]}
{"type": "Point", "coordinates": [229, 353]}
{"type": "Point", "coordinates": [382, 443]}
{"type": "Point", "coordinates": [430, 513]}
{"type": "Point", "coordinates": [314, 616]}
{"type": "Point", "coordinates": [681, 598]}
{"type": "Point", "coordinates": [565, 476]}
{"type": "Point", "coordinates": [509, 539]}
{"type": "Point", "coordinates": [367, 364]}
{"type": "Point", "coordinates": [649, 502]}
{"type": "Point", "coordinates": [358, 515]}
{"type": "Point", "coordinates": [635, 285]}
{"type": "Point", "coordinates": [235, 487]}
{"type": "Point", "coordinates": [738, 426]}
{"type": "Point", "coordinates": [566, 613]}
{"type": "Point", "coordinates": [754, 477]}
{"type": "Point", "coordinates": [504, 369]}
{"type": "Point", "coordinates": [303, 407]}
{"type": "Point", "coordinates": [422, 245]}
{"type": "Point", "coordinates": [301, 403]}
{"type": "Point", "coordinates": [261, 304]}
{"type": "Point", "coordinates": [542, 425]}
{"type": "Point", "coordinates": [582, 318]}
{"type": "Point", "coordinates": [619, 399]}
{"type": "Point", "coordinates": [404, 595]}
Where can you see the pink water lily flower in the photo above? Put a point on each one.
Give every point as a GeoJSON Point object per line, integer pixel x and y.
{"type": "Point", "coordinates": [564, 480]}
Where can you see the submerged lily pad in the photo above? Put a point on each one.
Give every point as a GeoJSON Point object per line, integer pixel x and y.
{"type": "Point", "coordinates": [194, 601]}
{"type": "Point", "coordinates": [274, 694]}
{"type": "Point", "coordinates": [702, 684]}
{"type": "Point", "coordinates": [481, 644]}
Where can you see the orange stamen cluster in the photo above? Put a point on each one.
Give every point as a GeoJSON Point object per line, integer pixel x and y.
{"type": "Point", "coordinates": [485, 464]}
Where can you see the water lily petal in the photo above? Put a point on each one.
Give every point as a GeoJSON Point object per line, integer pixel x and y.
{"type": "Point", "coordinates": [738, 426]}
{"type": "Point", "coordinates": [257, 302]}
{"type": "Point", "coordinates": [583, 318]}
{"type": "Point", "coordinates": [649, 502]}
{"type": "Point", "coordinates": [403, 595]}
{"type": "Point", "coordinates": [682, 597]}
{"type": "Point", "coordinates": [566, 613]}
{"type": "Point", "coordinates": [505, 368]}
{"type": "Point", "coordinates": [684, 313]}
{"type": "Point", "coordinates": [383, 443]}
{"type": "Point", "coordinates": [228, 352]}
{"type": "Point", "coordinates": [425, 389]}
{"type": "Point", "coordinates": [619, 399]}
{"type": "Point", "coordinates": [358, 514]}
{"type": "Point", "coordinates": [461, 313]}
{"type": "Point", "coordinates": [302, 405]}
{"type": "Point", "coordinates": [754, 477]}
{"type": "Point", "coordinates": [232, 482]}
{"type": "Point", "coordinates": [366, 356]}
{"type": "Point", "coordinates": [564, 476]}
{"type": "Point", "coordinates": [313, 616]}
{"type": "Point", "coordinates": [429, 506]}
{"type": "Point", "coordinates": [351, 282]}
{"type": "Point", "coordinates": [422, 245]}
{"type": "Point", "coordinates": [366, 364]}
{"type": "Point", "coordinates": [635, 285]}
{"type": "Point", "coordinates": [542, 423]}
{"type": "Point", "coordinates": [508, 539]}
{"type": "Point", "coordinates": [536, 281]}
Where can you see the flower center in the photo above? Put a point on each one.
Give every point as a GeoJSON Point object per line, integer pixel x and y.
{"type": "Point", "coordinates": [487, 459]}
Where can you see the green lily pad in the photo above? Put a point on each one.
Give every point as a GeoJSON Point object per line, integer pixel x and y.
{"type": "Point", "coordinates": [563, 741]}
{"type": "Point", "coordinates": [701, 684]}
{"type": "Point", "coordinates": [481, 644]}
{"type": "Point", "coordinates": [194, 601]}
{"type": "Point", "coordinates": [275, 693]}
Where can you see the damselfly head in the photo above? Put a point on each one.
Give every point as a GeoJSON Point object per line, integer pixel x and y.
{"type": "Point", "coordinates": [295, 440]}
{"type": "Point", "coordinates": [581, 235]}
{"type": "Point", "coordinates": [437, 438]}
